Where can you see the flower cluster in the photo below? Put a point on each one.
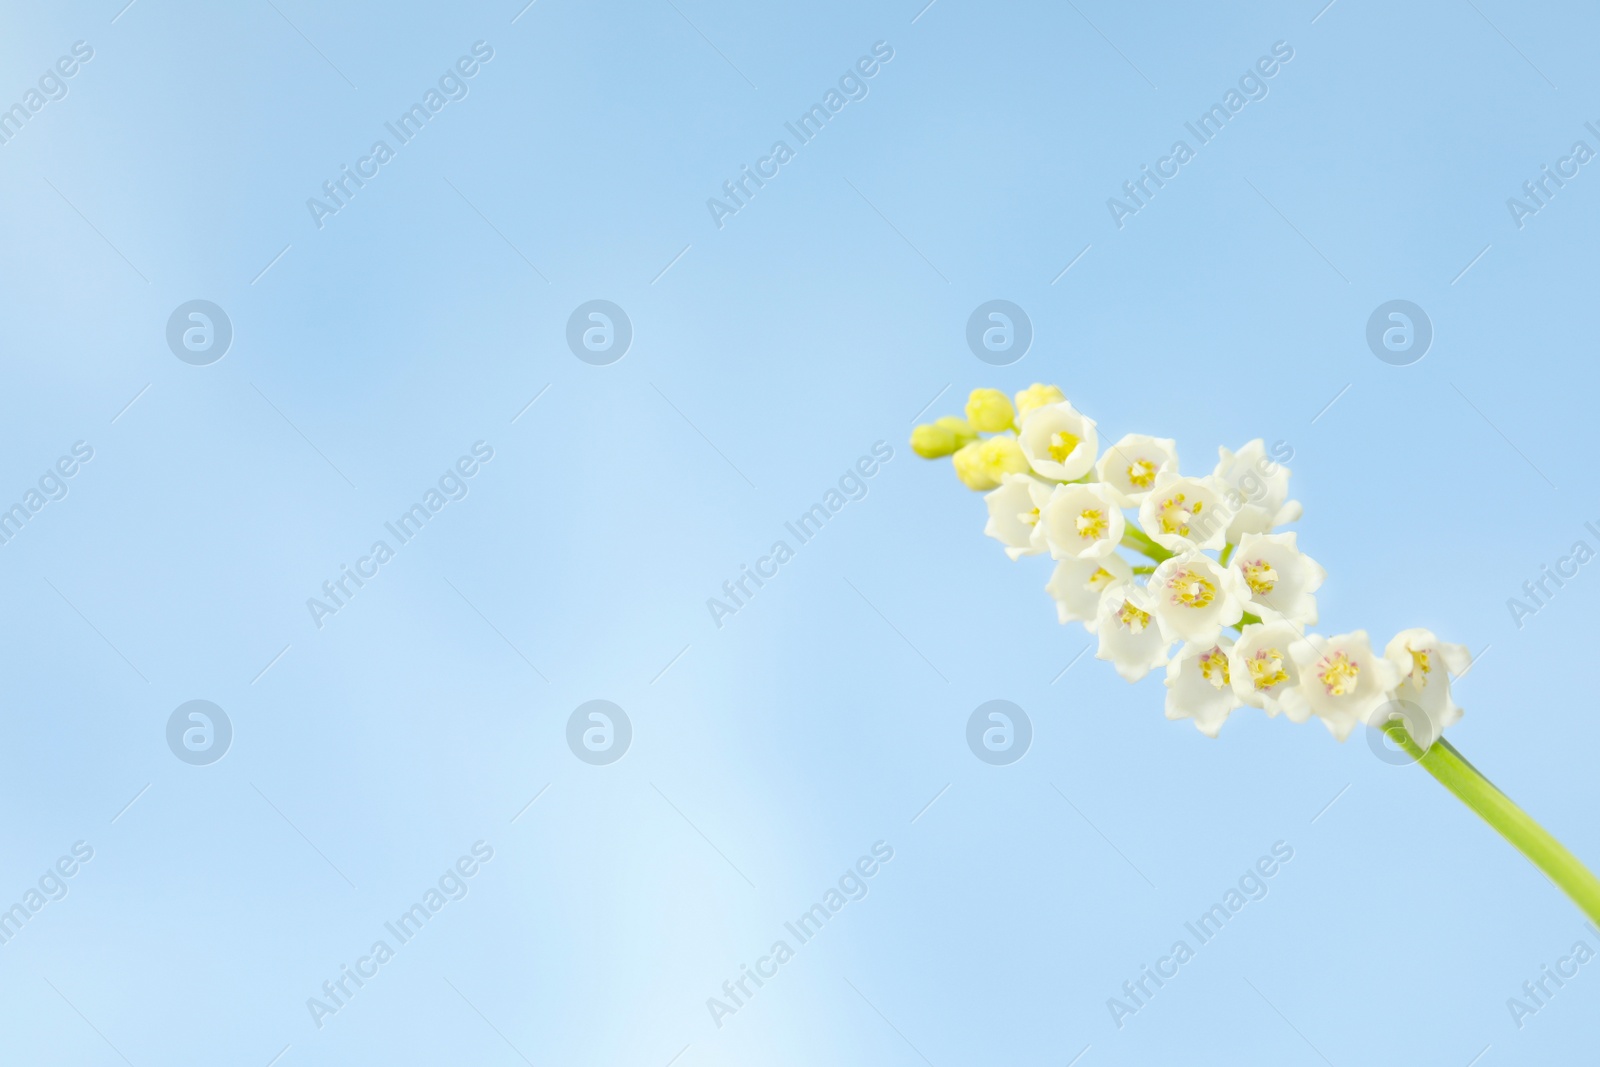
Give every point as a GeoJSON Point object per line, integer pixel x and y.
{"type": "Point", "coordinates": [1212, 562]}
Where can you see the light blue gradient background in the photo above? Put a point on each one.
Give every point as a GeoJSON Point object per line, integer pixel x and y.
{"type": "Point", "coordinates": [810, 725]}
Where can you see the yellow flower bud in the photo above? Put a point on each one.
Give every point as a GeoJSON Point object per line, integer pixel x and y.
{"type": "Point", "coordinates": [964, 433]}
{"type": "Point", "coordinates": [941, 437]}
{"type": "Point", "coordinates": [931, 442]}
{"type": "Point", "coordinates": [970, 468]}
{"type": "Point", "coordinates": [1037, 396]}
{"type": "Point", "coordinates": [989, 411]}
{"type": "Point", "coordinates": [1000, 456]}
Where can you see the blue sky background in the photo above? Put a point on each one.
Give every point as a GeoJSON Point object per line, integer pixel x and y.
{"type": "Point", "coordinates": [768, 355]}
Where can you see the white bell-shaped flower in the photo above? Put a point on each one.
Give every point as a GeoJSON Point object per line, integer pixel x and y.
{"type": "Point", "coordinates": [1130, 640]}
{"type": "Point", "coordinates": [1077, 585]}
{"type": "Point", "coordinates": [1014, 511]}
{"type": "Point", "coordinates": [1130, 467]}
{"type": "Point", "coordinates": [1199, 687]}
{"type": "Point", "coordinates": [1060, 443]}
{"type": "Point", "coordinates": [1279, 575]}
{"type": "Point", "coordinates": [1082, 522]}
{"type": "Point", "coordinates": [1194, 597]}
{"type": "Point", "coordinates": [1256, 490]}
{"type": "Point", "coordinates": [1344, 681]}
{"type": "Point", "coordinates": [1264, 668]}
{"type": "Point", "coordinates": [1184, 513]}
{"type": "Point", "coordinates": [1426, 665]}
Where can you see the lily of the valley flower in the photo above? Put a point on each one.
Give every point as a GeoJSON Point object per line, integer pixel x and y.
{"type": "Point", "coordinates": [1130, 640]}
{"type": "Point", "coordinates": [1279, 575]}
{"type": "Point", "coordinates": [1426, 665]}
{"type": "Point", "coordinates": [1194, 597]}
{"type": "Point", "coordinates": [1077, 586]}
{"type": "Point", "coordinates": [1184, 513]}
{"type": "Point", "coordinates": [1082, 522]}
{"type": "Point", "coordinates": [1264, 666]}
{"type": "Point", "coordinates": [1256, 489]}
{"type": "Point", "coordinates": [1344, 682]}
{"type": "Point", "coordinates": [1130, 467]}
{"type": "Point", "coordinates": [1060, 443]}
{"type": "Point", "coordinates": [1199, 687]}
{"type": "Point", "coordinates": [1014, 511]}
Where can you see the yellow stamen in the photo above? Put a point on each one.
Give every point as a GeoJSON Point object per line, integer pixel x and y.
{"type": "Point", "coordinates": [1260, 576]}
{"type": "Point", "coordinates": [1100, 578]}
{"type": "Point", "coordinates": [1092, 524]}
{"type": "Point", "coordinates": [1029, 518]}
{"type": "Point", "coordinates": [1419, 662]}
{"type": "Point", "coordinates": [1214, 668]}
{"type": "Point", "coordinates": [1062, 445]}
{"type": "Point", "coordinates": [1266, 669]}
{"type": "Point", "coordinates": [1142, 473]}
{"type": "Point", "coordinates": [1191, 590]}
{"type": "Point", "coordinates": [1176, 516]}
{"type": "Point", "coordinates": [1131, 617]}
{"type": "Point", "coordinates": [1338, 675]}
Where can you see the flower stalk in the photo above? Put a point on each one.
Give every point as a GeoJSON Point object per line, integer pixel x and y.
{"type": "Point", "coordinates": [1457, 774]}
{"type": "Point", "coordinates": [1144, 544]}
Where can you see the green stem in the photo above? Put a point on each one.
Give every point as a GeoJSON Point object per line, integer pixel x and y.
{"type": "Point", "coordinates": [1227, 554]}
{"type": "Point", "coordinates": [1247, 619]}
{"type": "Point", "coordinates": [1142, 543]}
{"type": "Point", "coordinates": [1469, 785]}
{"type": "Point", "coordinates": [1144, 570]}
